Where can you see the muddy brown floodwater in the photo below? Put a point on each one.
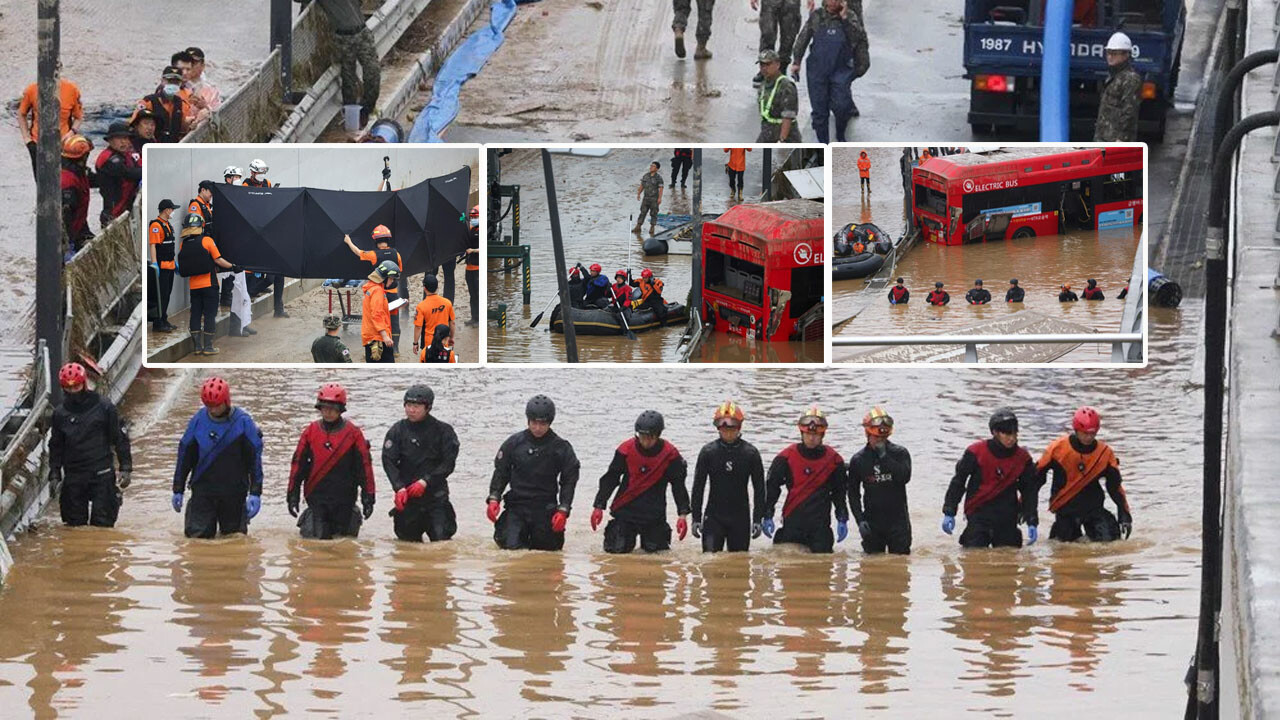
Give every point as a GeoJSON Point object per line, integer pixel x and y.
{"type": "Point", "coordinates": [598, 207]}
{"type": "Point", "coordinates": [272, 625]}
{"type": "Point", "coordinates": [1040, 264]}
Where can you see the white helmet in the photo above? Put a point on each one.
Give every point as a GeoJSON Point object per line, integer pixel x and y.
{"type": "Point", "coordinates": [239, 171]}
{"type": "Point", "coordinates": [258, 166]}
{"type": "Point", "coordinates": [1120, 41]}
{"type": "Point", "coordinates": [231, 170]}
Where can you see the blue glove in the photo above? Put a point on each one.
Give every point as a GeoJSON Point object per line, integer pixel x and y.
{"type": "Point", "coordinates": [155, 266]}
{"type": "Point", "coordinates": [253, 504]}
{"type": "Point", "coordinates": [948, 523]}
{"type": "Point", "coordinates": [177, 502]}
{"type": "Point", "coordinates": [767, 526]}
{"type": "Point", "coordinates": [1033, 534]}
{"type": "Point", "coordinates": [842, 530]}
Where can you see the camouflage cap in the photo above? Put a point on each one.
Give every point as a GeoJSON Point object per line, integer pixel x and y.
{"type": "Point", "coordinates": [768, 56]}
{"type": "Point", "coordinates": [332, 322]}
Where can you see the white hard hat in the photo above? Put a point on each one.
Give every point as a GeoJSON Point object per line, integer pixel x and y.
{"type": "Point", "coordinates": [1120, 41]}
{"type": "Point", "coordinates": [231, 170]}
{"type": "Point", "coordinates": [258, 166]}
{"type": "Point", "coordinates": [239, 171]}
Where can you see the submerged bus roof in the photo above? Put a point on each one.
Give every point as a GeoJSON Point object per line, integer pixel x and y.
{"type": "Point", "coordinates": [777, 222]}
{"type": "Point", "coordinates": [1026, 159]}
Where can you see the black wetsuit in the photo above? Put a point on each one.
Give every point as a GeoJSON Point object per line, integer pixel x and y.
{"type": "Point", "coordinates": [424, 450]}
{"type": "Point", "coordinates": [645, 515]}
{"type": "Point", "coordinates": [1014, 294]}
{"type": "Point", "coordinates": [1067, 296]}
{"type": "Point", "coordinates": [977, 296]}
{"type": "Point", "coordinates": [809, 522]}
{"type": "Point", "coordinates": [86, 429]}
{"type": "Point", "coordinates": [878, 494]}
{"type": "Point", "coordinates": [994, 522]}
{"type": "Point", "coordinates": [728, 519]}
{"type": "Point", "coordinates": [538, 476]}
{"type": "Point", "coordinates": [1084, 514]}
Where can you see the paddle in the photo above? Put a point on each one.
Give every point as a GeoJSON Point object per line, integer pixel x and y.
{"type": "Point", "coordinates": [538, 319]}
{"type": "Point", "coordinates": [623, 317]}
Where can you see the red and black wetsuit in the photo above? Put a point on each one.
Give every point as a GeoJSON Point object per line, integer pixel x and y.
{"type": "Point", "coordinates": [938, 297]}
{"type": "Point", "coordinates": [75, 204]}
{"type": "Point", "coordinates": [1092, 293]}
{"type": "Point", "coordinates": [899, 295]}
{"type": "Point", "coordinates": [1000, 486]}
{"type": "Point", "coordinates": [878, 494]}
{"type": "Point", "coordinates": [641, 478]}
{"type": "Point", "coordinates": [815, 479]}
{"type": "Point", "coordinates": [119, 175]}
{"type": "Point", "coordinates": [330, 463]}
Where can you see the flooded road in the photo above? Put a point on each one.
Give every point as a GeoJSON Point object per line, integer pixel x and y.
{"type": "Point", "coordinates": [598, 208]}
{"type": "Point", "coordinates": [1040, 264]}
{"type": "Point", "coordinates": [270, 624]}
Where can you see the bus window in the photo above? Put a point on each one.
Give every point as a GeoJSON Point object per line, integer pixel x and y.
{"type": "Point", "coordinates": [930, 200]}
{"type": "Point", "coordinates": [735, 277]}
{"type": "Point", "coordinates": [806, 289]}
{"type": "Point", "coordinates": [1121, 186]}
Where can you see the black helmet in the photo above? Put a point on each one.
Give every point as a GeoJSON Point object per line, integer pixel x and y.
{"type": "Point", "coordinates": [650, 423]}
{"type": "Point", "coordinates": [419, 394]}
{"type": "Point", "coordinates": [938, 284]}
{"type": "Point", "coordinates": [1013, 281]}
{"type": "Point", "coordinates": [193, 220]}
{"type": "Point", "coordinates": [1003, 420]}
{"type": "Point", "coordinates": [540, 407]}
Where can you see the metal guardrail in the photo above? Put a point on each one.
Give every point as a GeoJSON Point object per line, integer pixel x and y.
{"type": "Point", "coordinates": [971, 342]}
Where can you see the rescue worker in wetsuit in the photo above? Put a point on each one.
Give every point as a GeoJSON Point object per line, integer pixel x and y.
{"type": "Point", "coordinates": [1014, 293]}
{"type": "Point", "coordinates": [731, 464]}
{"type": "Point", "coordinates": [878, 477]}
{"type": "Point", "coordinates": [375, 318]}
{"type": "Point", "coordinates": [1121, 94]}
{"type": "Point", "coordinates": [1092, 291]}
{"type": "Point", "coordinates": [167, 106]}
{"type": "Point", "coordinates": [119, 170]}
{"type": "Point", "coordinates": [382, 252]}
{"type": "Point", "coordinates": [815, 477]}
{"type": "Point", "coordinates": [864, 172]}
{"type": "Point", "coordinates": [977, 294]}
{"type": "Point", "coordinates": [329, 348]}
{"type": "Point", "coordinates": [85, 431]}
{"type": "Point", "coordinates": [939, 296]}
{"type": "Point", "coordinates": [1078, 462]}
{"type": "Point", "coordinates": [620, 295]}
{"type": "Point", "coordinates": [75, 183]}
{"type": "Point", "coordinates": [1124, 292]}
{"type": "Point", "coordinates": [899, 294]}
{"type": "Point", "coordinates": [160, 246]}
{"type": "Point", "coordinates": [839, 57]}
{"type": "Point", "coordinates": [651, 295]}
{"type": "Point", "coordinates": [1066, 295]}
{"type": "Point", "coordinates": [331, 461]}
{"type": "Point", "coordinates": [597, 293]}
{"type": "Point", "coordinates": [538, 472]}
{"type": "Point", "coordinates": [641, 470]}
{"type": "Point", "coordinates": [999, 481]}
{"type": "Point", "coordinates": [472, 274]}
{"type": "Point", "coordinates": [418, 455]}
{"type": "Point", "coordinates": [221, 455]}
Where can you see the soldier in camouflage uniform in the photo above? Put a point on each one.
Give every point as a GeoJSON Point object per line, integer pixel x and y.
{"type": "Point", "coordinates": [1121, 95]}
{"type": "Point", "coordinates": [354, 43]}
{"type": "Point", "coordinates": [775, 14]}
{"type": "Point", "coordinates": [681, 21]}
{"type": "Point", "coordinates": [650, 196]}
{"type": "Point", "coordinates": [328, 348]}
{"type": "Point", "coordinates": [777, 102]}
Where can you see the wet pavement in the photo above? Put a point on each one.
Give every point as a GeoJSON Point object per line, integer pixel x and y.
{"type": "Point", "coordinates": [271, 625]}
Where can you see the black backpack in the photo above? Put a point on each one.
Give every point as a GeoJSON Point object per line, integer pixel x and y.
{"type": "Point", "coordinates": [193, 259]}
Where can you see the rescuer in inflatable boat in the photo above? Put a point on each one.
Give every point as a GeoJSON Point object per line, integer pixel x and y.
{"type": "Point", "coordinates": [418, 456]}
{"type": "Point", "coordinates": [597, 293]}
{"type": "Point", "coordinates": [620, 295]}
{"type": "Point", "coordinates": [642, 468]}
{"type": "Point", "coordinates": [651, 294]}
{"type": "Point", "coordinates": [878, 477]}
{"type": "Point", "coordinates": [731, 464]}
{"type": "Point", "coordinates": [538, 472]}
{"type": "Point", "coordinates": [998, 479]}
{"type": "Point", "coordinates": [330, 463]}
{"type": "Point", "coordinates": [1079, 462]}
{"type": "Point", "coordinates": [815, 477]}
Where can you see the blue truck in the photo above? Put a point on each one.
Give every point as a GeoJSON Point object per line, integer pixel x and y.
{"type": "Point", "coordinates": [1003, 45]}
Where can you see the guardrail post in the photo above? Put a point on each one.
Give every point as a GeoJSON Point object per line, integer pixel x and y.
{"type": "Point", "coordinates": [281, 33]}
{"type": "Point", "coordinates": [971, 352]}
{"type": "Point", "coordinates": [528, 274]}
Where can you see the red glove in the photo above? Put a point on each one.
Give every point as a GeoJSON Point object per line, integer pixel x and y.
{"type": "Point", "coordinates": [493, 510]}
{"type": "Point", "coordinates": [417, 489]}
{"type": "Point", "coordinates": [402, 497]}
{"type": "Point", "coordinates": [682, 528]}
{"type": "Point", "coordinates": [596, 516]}
{"type": "Point", "coordinates": [558, 521]}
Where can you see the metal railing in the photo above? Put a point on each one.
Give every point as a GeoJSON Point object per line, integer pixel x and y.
{"type": "Point", "coordinates": [971, 342]}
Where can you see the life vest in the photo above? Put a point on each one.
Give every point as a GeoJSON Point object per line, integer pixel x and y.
{"type": "Point", "coordinates": [168, 116]}
{"type": "Point", "coordinates": [117, 199]}
{"type": "Point", "coordinates": [257, 183]}
{"type": "Point", "coordinates": [164, 248]}
{"type": "Point", "coordinates": [1082, 470]}
{"type": "Point", "coordinates": [648, 287]}
{"type": "Point", "coordinates": [898, 293]}
{"type": "Point", "coordinates": [937, 297]}
{"type": "Point", "coordinates": [327, 449]}
{"type": "Point", "coordinates": [997, 474]}
{"type": "Point", "coordinates": [807, 475]}
{"type": "Point", "coordinates": [193, 258]}
{"type": "Point", "coordinates": [201, 208]}
{"type": "Point", "coordinates": [1089, 292]}
{"type": "Point", "coordinates": [432, 355]}
{"type": "Point", "coordinates": [643, 471]}
{"type": "Point", "coordinates": [389, 255]}
{"type": "Point", "coordinates": [859, 247]}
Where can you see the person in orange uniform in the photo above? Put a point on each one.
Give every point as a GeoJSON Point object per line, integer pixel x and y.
{"type": "Point", "coordinates": [651, 295]}
{"type": "Point", "coordinates": [167, 106]}
{"type": "Point", "coordinates": [924, 155]}
{"type": "Point", "coordinates": [375, 321]}
{"type": "Point", "coordinates": [441, 348]}
{"type": "Point", "coordinates": [864, 172]}
{"type": "Point", "coordinates": [160, 246]}
{"type": "Point", "coordinates": [198, 260]}
{"type": "Point", "coordinates": [382, 252]}
{"type": "Point", "coordinates": [1078, 462]}
{"type": "Point", "coordinates": [75, 191]}
{"type": "Point", "coordinates": [736, 166]}
{"type": "Point", "coordinates": [202, 205]}
{"type": "Point", "coordinates": [473, 266]}
{"type": "Point", "coordinates": [431, 313]}
{"type": "Point", "coordinates": [70, 115]}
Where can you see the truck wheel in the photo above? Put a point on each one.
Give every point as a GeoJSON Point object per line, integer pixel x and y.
{"type": "Point", "coordinates": [1024, 233]}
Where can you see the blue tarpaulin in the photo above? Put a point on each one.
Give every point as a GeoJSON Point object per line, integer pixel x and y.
{"type": "Point", "coordinates": [461, 66]}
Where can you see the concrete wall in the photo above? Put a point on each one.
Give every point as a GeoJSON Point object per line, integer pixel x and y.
{"type": "Point", "coordinates": [174, 171]}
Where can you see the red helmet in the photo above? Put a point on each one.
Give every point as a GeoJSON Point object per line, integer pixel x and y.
{"type": "Point", "coordinates": [71, 375]}
{"type": "Point", "coordinates": [646, 273]}
{"type": "Point", "coordinates": [382, 232]}
{"type": "Point", "coordinates": [215, 391]}
{"type": "Point", "coordinates": [727, 413]}
{"type": "Point", "coordinates": [332, 393]}
{"type": "Point", "coordinates": [1086, 420]}
{"type": "Point", "coordinates": [620, 273]}
{"type": "Point", "coordinates": [595, 267]}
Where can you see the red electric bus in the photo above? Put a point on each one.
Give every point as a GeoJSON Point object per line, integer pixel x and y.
{"type": "Point", "coordinates": [762, 268]}
{"type": "Point", "coordinates": [1022, 192]}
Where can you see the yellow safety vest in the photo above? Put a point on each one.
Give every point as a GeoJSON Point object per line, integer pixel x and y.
{"type": "Point", "coordinates": [766, 106]}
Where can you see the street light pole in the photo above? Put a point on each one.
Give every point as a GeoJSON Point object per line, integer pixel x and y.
{"type": "Point", "coordinates": [49, 231]}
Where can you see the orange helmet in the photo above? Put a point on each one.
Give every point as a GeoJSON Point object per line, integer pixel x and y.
{"type": "Point", "coordinates": [878, 422]}
{"type": "Point", "coordinates": [813, 420]}
{"type": "Point", "coordinates": [382, 232]}
{"type": "Point", "coordinates": [727, 414]}
{"type": "Point", "coordinates": [76, 147]}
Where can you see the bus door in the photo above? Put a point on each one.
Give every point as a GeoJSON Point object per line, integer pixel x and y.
{"type": "Point", "coordinates": [1075, 205]}
{"type": "Point", "coordinates": [987, 227]}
